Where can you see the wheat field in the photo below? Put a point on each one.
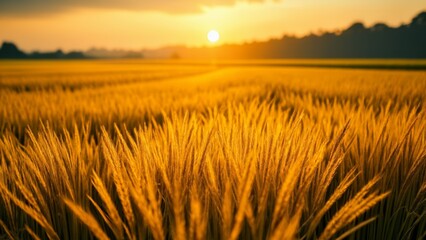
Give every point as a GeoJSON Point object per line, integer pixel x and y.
{"type": "Point", "coordinates": [137, 150]}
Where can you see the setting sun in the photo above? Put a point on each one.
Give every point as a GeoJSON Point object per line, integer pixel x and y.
{"type": "Point", "coordinates": [213, 36]}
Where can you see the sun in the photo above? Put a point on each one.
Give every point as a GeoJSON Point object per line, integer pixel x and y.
{"type": "Point", "coordinates": [213, 36]}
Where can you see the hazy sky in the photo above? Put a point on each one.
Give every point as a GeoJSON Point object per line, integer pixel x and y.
{"type": "Point", "coordinates": [136, 24]}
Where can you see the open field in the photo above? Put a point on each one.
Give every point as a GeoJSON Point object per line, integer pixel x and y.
{"type": "Point", "coordinates": [152, 150]}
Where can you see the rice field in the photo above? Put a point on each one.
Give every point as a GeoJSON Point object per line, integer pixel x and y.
{"type": "Point", "coordinates": [160, 150]}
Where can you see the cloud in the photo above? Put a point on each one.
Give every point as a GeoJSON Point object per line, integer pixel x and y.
{"type": "Point", "coordinates": [36, 7]}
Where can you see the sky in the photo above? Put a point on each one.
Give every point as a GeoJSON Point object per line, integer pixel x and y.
{"type": "Point", "coordinates": [139, 24]}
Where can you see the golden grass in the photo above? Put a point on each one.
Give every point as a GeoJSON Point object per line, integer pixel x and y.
{"type": "Point", "coordinates": [228, 153]}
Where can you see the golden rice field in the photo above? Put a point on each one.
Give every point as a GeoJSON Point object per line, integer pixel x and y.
{"type": "Point", "coordinates": [152, 150]}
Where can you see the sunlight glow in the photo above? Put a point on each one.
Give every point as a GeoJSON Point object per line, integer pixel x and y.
{"type": "Point", "coordinates": [213, 36]}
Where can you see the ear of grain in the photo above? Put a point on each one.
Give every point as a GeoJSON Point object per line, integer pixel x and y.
{"type": "Point", "coordinates": [122, 186]}
{"type": "Point", "coordinates": [198, 218]}
{"type": "Point", "coordinates": [227, 211]}
{"type": "Point", "coordinates": [360, 203]}
{"type": "Point", "coordinates": [287, 228]}
{"type": "Point", "coordinates": [354, 229]}
{"type": "Point", "coordinates": [109, 205]}
{"type": "Point", "coordinates": [88, 219]}
{"type": "Point", "coordinates": [340, 190]}
{"type": "Point", "coordinates": [33, 213]}
{"type": "Point", "coordinates": [150, 215]}
{"type": "Point", "coordinates": [244, 193]}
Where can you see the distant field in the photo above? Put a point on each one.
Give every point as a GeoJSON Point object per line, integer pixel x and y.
{"type": "Point", "coordinates": [266, 149]}
{"type": "Point", "coordinates": [401, 64]}
{"type": "Point", "coordinates": [396, 64]}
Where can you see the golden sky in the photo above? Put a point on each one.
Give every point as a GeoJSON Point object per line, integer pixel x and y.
{"type": "Point", "coordinates": [136, 24]}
